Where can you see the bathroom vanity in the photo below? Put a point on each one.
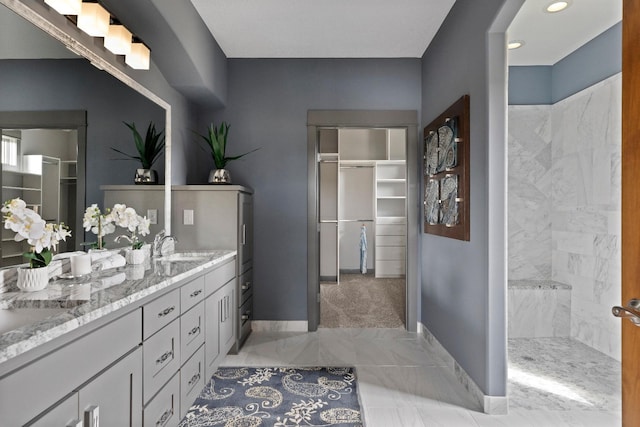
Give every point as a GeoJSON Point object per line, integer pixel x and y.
{"type": "Point", "coordinates": [131, 346]}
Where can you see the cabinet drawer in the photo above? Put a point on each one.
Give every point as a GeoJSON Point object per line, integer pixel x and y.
{"type": "Point", "coordinates": [191, 294]}
{"type": "Point", "coordinates": [391, 230]}
{"type": "Point", "coordinates": [191, 380]}
{"type": "Point", "coordinates": [30, 390]}
{"type": "Point", "coordinates": [245, 286]}
{"type": "Point", "coordinates": [390, 268]}
{"type": "Point", "coordinates": [244, 319]}
{"type": "Point", "coordinates": [218, 277]}
{"type": "Point", "coordinates": [162, 411]}
{"type": "Point", "coordinates": [160, 312]}
{"type": "Point", "coordinates": [390, 253]}
{"type": "Point", "coordinates": [390, 241]}
{"type": "Point", "coordinates": [191, 331]}
{"type": "Point", "coordinates": [161, 358]}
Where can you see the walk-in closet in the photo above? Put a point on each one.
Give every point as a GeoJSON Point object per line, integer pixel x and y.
{"type": "Point", "coordinates": [362, 203]}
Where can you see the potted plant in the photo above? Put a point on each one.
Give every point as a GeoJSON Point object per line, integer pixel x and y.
{"type": "Point", "coordinates": [216, 140]}
{"type": "Point", "coordinates": [126, 217]}
{"type": "Point", "coordinates": [98, 223]}
{"type": "Point", "coordinates": [149, 150]}
{"type": "Point", "coordinates": [43, 238]}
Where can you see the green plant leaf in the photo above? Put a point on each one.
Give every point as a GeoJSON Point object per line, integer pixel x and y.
{"type": "Point", "coordinates": [149, 149]}
{"type": "Point", "coordinates": [216, 140]}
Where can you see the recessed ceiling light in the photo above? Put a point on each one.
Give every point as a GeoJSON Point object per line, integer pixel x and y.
{"type": "Point", "coordinates": [515, 44]}
{"type": "Point", "coordinates": [557, 6]}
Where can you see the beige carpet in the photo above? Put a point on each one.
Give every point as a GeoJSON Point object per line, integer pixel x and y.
{"type": "Point", "coordinates": [362, 301]}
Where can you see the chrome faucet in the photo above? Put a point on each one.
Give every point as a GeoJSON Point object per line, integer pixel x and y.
{"type": "Point", "coordinates": [158, 243]}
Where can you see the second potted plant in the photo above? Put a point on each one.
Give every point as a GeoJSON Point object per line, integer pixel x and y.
{"type": "Point", "coordinates": [216, 140]}
{"type": "Point", "coordinates": [149, 150]}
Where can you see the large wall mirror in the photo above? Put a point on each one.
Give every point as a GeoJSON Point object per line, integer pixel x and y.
{"type": "Point", "coordinates": [59, 118]}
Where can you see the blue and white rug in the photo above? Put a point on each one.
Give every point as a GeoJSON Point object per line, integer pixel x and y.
{"type": "Point", "coordinates": [278, 397]}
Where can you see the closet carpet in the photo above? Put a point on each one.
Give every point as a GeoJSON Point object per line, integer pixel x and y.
{"type": "Point", "coordinates": [362, 301]}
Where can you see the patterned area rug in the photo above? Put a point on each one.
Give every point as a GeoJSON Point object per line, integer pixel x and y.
{"type": "Point", "coordinates": [278, 397]}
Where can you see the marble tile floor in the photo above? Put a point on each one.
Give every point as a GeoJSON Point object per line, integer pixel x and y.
{"type": "Point", "coordinates": [404, 382]}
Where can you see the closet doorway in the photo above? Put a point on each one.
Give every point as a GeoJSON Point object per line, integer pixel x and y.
{"type": "Point", "coordinates": [362, 190]}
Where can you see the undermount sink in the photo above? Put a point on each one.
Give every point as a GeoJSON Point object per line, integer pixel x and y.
{"type": "Point", "coordinates": [185, 257]}
{"type": "Point", "coordinates": [14, 318]}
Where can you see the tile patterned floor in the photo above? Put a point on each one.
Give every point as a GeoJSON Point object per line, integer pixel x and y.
{"type": "Point", "coordinates": [404, 383]}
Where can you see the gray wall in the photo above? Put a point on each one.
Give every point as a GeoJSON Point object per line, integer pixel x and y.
{"type": "Point", "coordinates": [74, 84]}
{"type": "Point", "coordinates": [595, 61]}
{"type": "Point", "coordinates": [267, 105]}
{"type": "Point", "coordinates": [462, 291]}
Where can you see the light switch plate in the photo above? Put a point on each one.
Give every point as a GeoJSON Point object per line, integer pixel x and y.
{"type": "Point", "coordinates": [152, 215]}
{"type": "Point", "coordinates": [187, 216]}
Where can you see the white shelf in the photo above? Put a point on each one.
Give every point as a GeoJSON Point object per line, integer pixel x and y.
{"type": "Point", "coordinates": [9, 187]}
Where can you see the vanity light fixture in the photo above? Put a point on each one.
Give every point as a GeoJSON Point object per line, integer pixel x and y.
{"type": "Point", "coordinates": [557, 6]}
{"type": "Point", "coordinates": [138, 57]}
{"type": "Point", "coordinates": [94, 19]}
{"type": "Point", "coordinates": [515, 44]}
{"type": "Point", "coordinates": [65, 7]}
{"type": "Point", "coordinates": [118, 39]}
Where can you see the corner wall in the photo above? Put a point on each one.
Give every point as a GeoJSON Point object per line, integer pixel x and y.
{"type": "Point", "coordinates": [464, 283]}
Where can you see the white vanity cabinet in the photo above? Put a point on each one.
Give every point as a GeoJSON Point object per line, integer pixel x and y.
{"type": "Point", "coordinates": [142, 365]}
{"type": "Point", "coordinates": [112, 351]}
{"type": "Point", "coordinates": [222, 219]}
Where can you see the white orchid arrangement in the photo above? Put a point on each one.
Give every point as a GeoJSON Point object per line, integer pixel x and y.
{"type": "Point", "coordinates": [126, 217]}
{"type": "Point", "coordinates": [98, 223]}
{"type": "Point", "coordinates": [119, 216]}
{"type": "Point", "coordinates": [28, 225]}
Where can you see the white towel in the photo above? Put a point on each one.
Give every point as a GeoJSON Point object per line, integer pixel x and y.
{"type": "Point", "coordinates": [112, 261]}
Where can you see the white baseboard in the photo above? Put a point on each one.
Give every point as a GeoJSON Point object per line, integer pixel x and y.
{"type": "Point", "coordinates": [279, 325]}
{"type": "Point", "coordinates": [493, 405]}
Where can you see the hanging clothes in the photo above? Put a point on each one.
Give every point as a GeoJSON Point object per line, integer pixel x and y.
{"type": "Point", "coordinates": [363, 249]}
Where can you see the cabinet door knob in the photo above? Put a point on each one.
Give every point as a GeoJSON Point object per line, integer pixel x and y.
{"type": "Point", "coordinates": [167, 354]}
{"type": "Point", "coordinates": [166, 415]}
{"type": "Point", "coordinates": [246, 286]}
{"type": "Point", "coordinates": [166, 311]}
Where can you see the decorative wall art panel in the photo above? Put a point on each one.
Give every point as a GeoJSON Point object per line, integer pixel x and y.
{"type": "Point", "coordinates": [432, 202]}
{"type": "Point", "coordinates": [446, 173]}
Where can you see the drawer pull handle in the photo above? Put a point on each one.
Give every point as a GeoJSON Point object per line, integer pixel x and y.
{"type": "Point", "coordinates": [247, 315]}
{"type": "Point", "coordinates": [246, 286]}
{"type": "Point", "coordinates": [167, 354]}
{"type": "Point", "coordinates": [194, 330]}
{"type": "Point", "coordinates": [165, 417]}
{"type": "Point", "coordinates": [195, 293]}
{"type": "Point", "coordinates": [166, 311]}
{"type": "Point", "coordinates": [194, 379]}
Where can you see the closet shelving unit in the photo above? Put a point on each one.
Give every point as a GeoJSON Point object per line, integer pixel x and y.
{"type": "Point", "coordinates": [383, 153]}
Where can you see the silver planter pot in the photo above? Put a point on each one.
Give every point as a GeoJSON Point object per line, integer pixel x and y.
{"type": "Point", "coordinates": [146, 176]}
{"type": "Point", "coordinates": [219, 176]}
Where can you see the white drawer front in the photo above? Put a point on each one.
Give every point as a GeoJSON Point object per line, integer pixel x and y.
{"type": "Point", "coordinates": [160, 312]}
{"type": "Point", "coordinates": [191, 294]}
{"type": "Point", "coordinates": [192, 380]}
{"type": "Point", "coordinates": [391, 230]}
{"type": "Point", "coordinates": [390, 241]}
{"type": "Point", "coordinates": [390, 253]}
{"type": "Point", "coordinates": [163, 410]}
{"type": "Point", "coordinates": [218, 277]}
{"type": "Point", "coordinates": [191, 331]}
{"type": "Point", "coordinates": [161, 358]}
{"type": "Point", "coordinates": [390, 268]}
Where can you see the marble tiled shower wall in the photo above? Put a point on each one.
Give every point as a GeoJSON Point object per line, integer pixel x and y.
{"type": "Point", "coordinates": [564, 204]}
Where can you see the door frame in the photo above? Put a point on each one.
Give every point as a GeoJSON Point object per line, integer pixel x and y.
{"type": "Point", "coordinates": [407, 119]}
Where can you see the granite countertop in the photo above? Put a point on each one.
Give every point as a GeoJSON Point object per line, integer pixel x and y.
{"type": "Point", "coordinates": [67, 304]}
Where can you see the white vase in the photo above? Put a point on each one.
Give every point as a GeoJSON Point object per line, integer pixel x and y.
{"type": "Point", "coordinates": [33, 279]}
{"type": "Point", "coordinates": [135, 256]}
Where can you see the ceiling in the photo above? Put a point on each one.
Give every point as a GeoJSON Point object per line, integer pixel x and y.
{"type": "Point", "coordinates": [323, 29]}
{"type": "Point", "coordinates": [549, 37]}
{"type": "Point", "coordinates": [388, 29]}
